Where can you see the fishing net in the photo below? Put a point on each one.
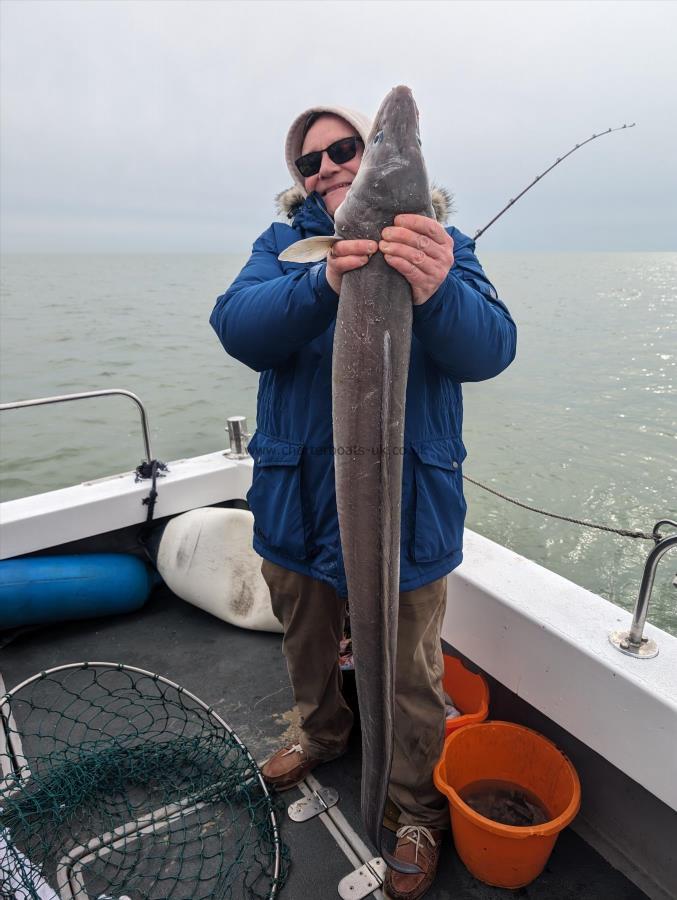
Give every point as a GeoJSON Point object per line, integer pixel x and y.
{"type": "Point", "coordinates": [120, 785]}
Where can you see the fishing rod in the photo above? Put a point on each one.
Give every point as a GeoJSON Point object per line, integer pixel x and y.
{"type": "Point", "coordinates": [549, 169]}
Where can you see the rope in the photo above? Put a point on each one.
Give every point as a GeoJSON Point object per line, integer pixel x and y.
{"type": "Point", "coordinates": [624, 532]}
{"type": "Point", "coordinates": [150, 470]}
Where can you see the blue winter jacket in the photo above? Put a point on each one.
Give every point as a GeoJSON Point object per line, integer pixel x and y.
{"type": "Point", "coordinates": [278, 318]}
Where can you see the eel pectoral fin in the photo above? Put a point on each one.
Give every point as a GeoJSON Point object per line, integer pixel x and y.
{"type": "Point", "coordinates": [313, 249]}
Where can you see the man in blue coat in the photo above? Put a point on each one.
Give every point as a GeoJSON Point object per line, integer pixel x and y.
{"type": "Point", "coordinates": [278, 318]}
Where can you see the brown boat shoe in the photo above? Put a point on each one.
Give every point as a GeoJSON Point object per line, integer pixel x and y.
{"type": "Point", "coordinates": [415, 844]}
{"type": "Point", "coordinates": [287, 767]}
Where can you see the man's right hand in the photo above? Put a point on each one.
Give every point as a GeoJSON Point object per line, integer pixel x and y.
{"type": "Point", "coordinates": [345, 256]}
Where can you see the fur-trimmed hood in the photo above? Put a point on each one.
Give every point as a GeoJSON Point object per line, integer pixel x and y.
{"type": "Point", "coordinates": [289, 201]}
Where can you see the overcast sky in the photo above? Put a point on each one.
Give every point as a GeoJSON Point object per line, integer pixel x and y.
{"type": "Point", "coordinates": [147, 125]}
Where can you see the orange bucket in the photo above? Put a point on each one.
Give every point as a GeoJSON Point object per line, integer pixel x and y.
{"type": "Point", "coordinates": [506, 856]}
{"type": "Point", "coordinates": [469, 692]}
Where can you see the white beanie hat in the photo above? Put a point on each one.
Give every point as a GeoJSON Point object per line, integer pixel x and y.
{"type": "Point", "coordinates": [295, 135]}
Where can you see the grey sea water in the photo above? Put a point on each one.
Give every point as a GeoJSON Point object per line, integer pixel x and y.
{"type": "Point", "coordinates": [583, 423]}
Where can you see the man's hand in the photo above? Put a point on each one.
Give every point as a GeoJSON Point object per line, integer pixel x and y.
{"type": "Point", "coordinates": [345, 256]}
{"type": "Point", "coordinates": [421, 250]}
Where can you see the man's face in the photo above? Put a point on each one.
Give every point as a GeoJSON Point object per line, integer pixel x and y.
{"type": "Point", "coordinates": [333, 180]}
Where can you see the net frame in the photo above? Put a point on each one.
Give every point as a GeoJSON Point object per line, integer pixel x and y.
{"type": "Point", "coordinates": [70, 883]}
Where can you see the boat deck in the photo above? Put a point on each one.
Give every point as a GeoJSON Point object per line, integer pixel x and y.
{"type": "Point", "coordinates": [242, 674]}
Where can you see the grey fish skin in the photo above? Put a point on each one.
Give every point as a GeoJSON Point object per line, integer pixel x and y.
{"type": "Point", "coordinates": [370, 367]}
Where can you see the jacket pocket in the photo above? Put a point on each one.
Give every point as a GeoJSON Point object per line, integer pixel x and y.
{"type": "Point", "coordinates": [439, 504]}
{"type": "Point", "coordinates": [275, 495]}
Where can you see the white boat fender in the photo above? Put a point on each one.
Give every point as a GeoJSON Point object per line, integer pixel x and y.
{"type": "Point", "coordinates": [206, 558]}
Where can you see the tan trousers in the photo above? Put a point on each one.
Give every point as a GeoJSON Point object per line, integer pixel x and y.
{"type": "Point", "coordinates": [312, 616]}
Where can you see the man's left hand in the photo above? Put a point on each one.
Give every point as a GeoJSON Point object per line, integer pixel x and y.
{"type": "Point", "coordinates": [421, 250]}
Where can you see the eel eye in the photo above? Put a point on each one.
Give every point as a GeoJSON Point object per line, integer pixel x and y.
{"type": "Point", "coordinates": [378, 138]}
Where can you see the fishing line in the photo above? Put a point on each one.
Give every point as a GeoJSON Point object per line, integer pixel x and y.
{"type": "Point", "coordinates": [622, 531]}
{"type": "Point", "coordinates": [544, 512]}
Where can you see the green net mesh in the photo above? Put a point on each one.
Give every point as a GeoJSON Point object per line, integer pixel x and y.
{"type": "Point", "coordinates": [117, 783]}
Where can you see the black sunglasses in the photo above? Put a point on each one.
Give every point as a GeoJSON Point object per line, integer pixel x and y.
{"type": "Point", "coordinates": [339, 152]}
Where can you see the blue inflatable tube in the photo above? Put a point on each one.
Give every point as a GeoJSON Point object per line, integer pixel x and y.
{"type": "Point", "coordinates": [43, 589]}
